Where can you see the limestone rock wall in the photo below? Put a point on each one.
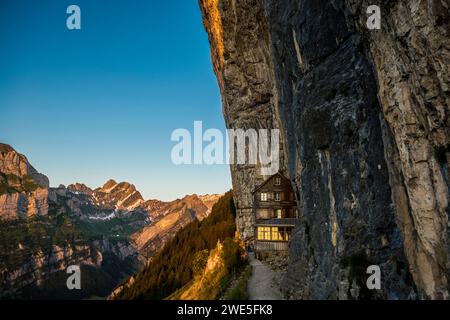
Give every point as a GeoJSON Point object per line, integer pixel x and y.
{"type": "Point", "coordinates": [17, 164]}
{"type": "Point", "coordinates": [24, 205]}
{"type": "Point", "coordinates": [23, 190]}
{"type": "Point", "coordinates": [365, 135]}
{"type": "Point", "coordinates": [40, 265]}
{"type": "Point", "coordinates": [240, 51]}
{"type": "Point", "coordinates": [411, 59]}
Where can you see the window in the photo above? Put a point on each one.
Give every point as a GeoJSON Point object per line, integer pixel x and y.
{"type": "Point", "coordinates": [283, 234]}
{"type": "Point", "coordinates": [279, 213]}
{"type": "Point", "coordinates": [286, 235]}
{"type": "Point", "coordinates": [277, 181]}
{"type": "Point", "coordinates": [273, 233]}
{"type": "Point", "coordinates": [263, 233]}
{"type": "Point", "coordinates": [263, 196]}
{"type": "Point", "coordinates": [277, 196]}
{"type": "Point", "coordinates": [276, 236]}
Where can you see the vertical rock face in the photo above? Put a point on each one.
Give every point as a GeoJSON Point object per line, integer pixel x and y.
{"type": "Point", "coordinates": [411, 58]}
{"type": "Point", "coordinates": [37, 266]}
{"type": "Point", "coordinates": [17, 164]}
{"type": "Point", "coordinates": [23, 205]}
{"type": "Point", "coordinates": [241, 58]}
{"type": "Point", "coordinates": [23, 191]}
{"type": "Point", "coordinates": [364, 126]}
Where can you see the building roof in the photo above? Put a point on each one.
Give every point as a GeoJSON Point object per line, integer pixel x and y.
{"type": "Point", "coordinates": [267, 180]}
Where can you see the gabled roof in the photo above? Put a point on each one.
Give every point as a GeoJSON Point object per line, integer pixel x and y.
{"type": "Point", "coordinates": [267, 180]}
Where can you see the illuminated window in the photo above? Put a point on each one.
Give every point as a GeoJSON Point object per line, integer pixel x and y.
{"type": "Point", "coordinates": [263, 196]}
{"type": "Point", "coordinates": [263, 233]}
{"type": "Point", "coordinates": [273, 234]}
{"type": "Point", "coordinates": [279, 213]}
{"type": "Point", "coordinates": [276, 235]}
{"type": "Point", "coordinates": [277, 196]}
{"type": "Point", "coordinates": [284, 234]}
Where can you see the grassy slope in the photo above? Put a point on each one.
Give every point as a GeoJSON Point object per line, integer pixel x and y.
{"type": "Point", "coordinates": [225, 263]}
{"type": "Point", "coordinates": [238, 290]}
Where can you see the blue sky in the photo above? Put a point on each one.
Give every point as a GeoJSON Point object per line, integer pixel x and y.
{"type": "Point", "coordinates": [101, 102]}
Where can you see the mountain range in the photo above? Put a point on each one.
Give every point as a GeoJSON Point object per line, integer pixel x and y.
{"type": "Point", "coordinates": [110, 230]}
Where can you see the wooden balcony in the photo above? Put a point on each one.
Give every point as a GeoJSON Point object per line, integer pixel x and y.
{"type": "Point", "coordinates": [272, 245]}
{"type": "Point", "coordinates": [275, 204]}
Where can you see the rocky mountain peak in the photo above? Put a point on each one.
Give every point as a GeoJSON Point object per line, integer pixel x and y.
{"type": "Point", "coordinates": [210, 199]}
{"type": "Point", "coordinates": [5, 148]}
{"type": "Point", "coordinates": [169, 217]}
{"type": "Point", "coordinates": [23, 190]}
{"type": "Point", "coordinates": [120, 196]}
{"type": "Point", "coordinates": [109, 185]}
{"type": "Point", "coordinates": [80, 188]}
{"type": "Point", "coordinates": [14, 163]}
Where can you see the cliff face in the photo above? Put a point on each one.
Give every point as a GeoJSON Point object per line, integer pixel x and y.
{"type": "Point", "coordinates": [23, 191]}
{"type": "Point", "coordinates": [36, 268]}
{"type": "Point", "coordinates": [411, 60]}
{"type": "Point", "coordinates": [24, 204]}
{"type": "Point", "coordinates": [364, 127]}
{"type": "Point", "coordinates": [242, 61]}
{"type": "Point", "coordinates": [17, 164]}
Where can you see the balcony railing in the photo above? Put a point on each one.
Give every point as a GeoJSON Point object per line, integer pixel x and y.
{"type": "Point", "coordinates": [272, 245]}
{"type": "Point", "coordinates": [273, 203]}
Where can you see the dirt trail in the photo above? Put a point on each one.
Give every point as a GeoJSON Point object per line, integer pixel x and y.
{"type": "Point", "coordinates": [261, 285]}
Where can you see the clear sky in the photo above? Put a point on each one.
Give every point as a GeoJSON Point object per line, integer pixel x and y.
{"type": "Point", "coordinates": [101, 102]}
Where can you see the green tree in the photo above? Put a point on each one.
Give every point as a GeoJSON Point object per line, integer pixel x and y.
{"type": "Point", "coordinates": [200, 260]}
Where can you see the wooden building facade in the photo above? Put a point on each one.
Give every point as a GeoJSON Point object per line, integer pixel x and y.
{"type": "Point", "coordinates": [275, 214]}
